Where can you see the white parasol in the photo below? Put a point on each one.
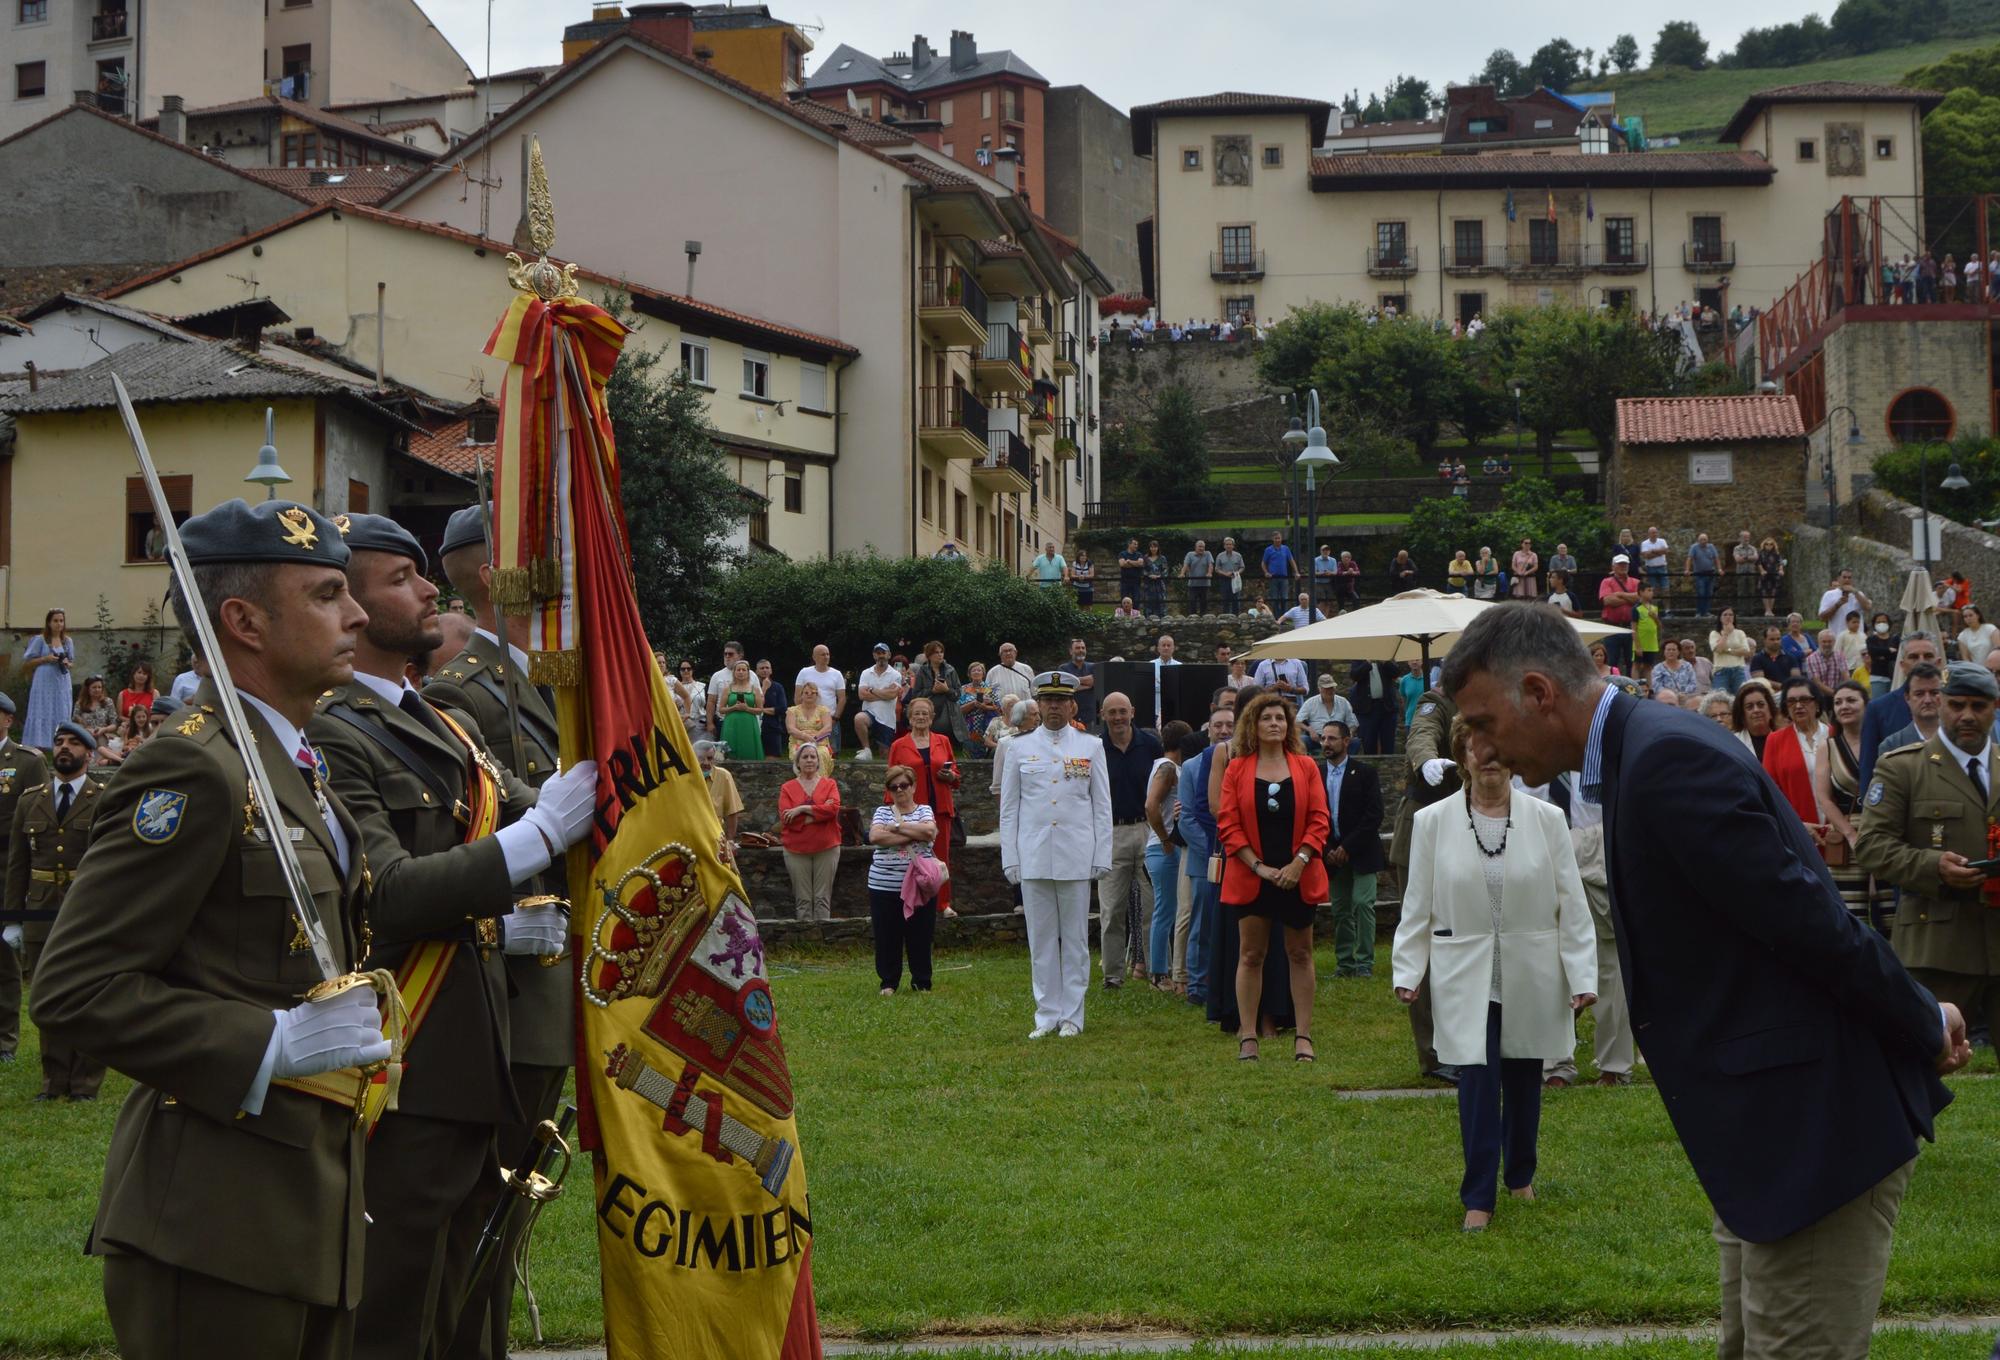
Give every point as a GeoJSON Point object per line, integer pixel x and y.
{"type": "Point", "coordinates": [1416, 623]}
{"type": "Point", "coordinates": [1919, 605]}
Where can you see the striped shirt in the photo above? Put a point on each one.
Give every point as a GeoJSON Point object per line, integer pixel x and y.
{"type": "Point", "coordinates": [891, 862]}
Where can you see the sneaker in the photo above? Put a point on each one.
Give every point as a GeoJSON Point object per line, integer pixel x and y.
{"type": "Point", "coordinates": [862, 755]}
{"type": "Point", "coordinates": [1068, 1030]}
{"type": "Point", "coordinates": [1041, 1031]}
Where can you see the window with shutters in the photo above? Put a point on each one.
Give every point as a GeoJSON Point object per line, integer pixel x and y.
{"type": "Point", "coordinates": [145, 541]}
{"type": "Point", "coordinates": [812, 387]}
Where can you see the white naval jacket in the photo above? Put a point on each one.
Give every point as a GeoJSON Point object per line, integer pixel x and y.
{"type": "Point", "coordinates": [1055, 806]}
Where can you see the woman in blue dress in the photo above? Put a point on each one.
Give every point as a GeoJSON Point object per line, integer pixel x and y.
{"type": "Point", "coordinates": [48, 661]}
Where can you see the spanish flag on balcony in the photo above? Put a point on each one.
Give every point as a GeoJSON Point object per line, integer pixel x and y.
{"type": "Point", "coordinates": [704, 1240]}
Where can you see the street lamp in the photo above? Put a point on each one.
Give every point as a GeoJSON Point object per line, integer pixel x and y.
{"type": "Point", "coordinates": [1954, 480]}
{"type": "Point", "coordinates": [1517, 423]}
{"type": "Point", "coordinates": [267, 472]}
{"type": "Point", "coordinates": [1828, 478]}
{"type": "Point", "coordinates": [1310, 452]}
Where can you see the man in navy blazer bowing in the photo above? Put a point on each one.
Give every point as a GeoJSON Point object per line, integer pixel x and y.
{"type": "Point", "coordinates": [1798, 1060]}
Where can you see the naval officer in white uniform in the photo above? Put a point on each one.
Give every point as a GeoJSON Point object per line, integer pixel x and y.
{"type": "Point", "coordinates": [1055, 841]}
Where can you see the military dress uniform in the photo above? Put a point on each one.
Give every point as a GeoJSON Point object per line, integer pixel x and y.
{"type": "Point", "coordinates": [1055, 840]}
{"type": "Point", "coordinates": [1429, 738]}
{"type": "Point", "coordinates": [1920, 803]}
{"type": "Point", "coordinates": [407, 778]}
{"type": "Point", "coordinates": [21, 768]}
{"type": "Point", "coordinates": [541, 1001]}
{"type": "Point", "coordinates": [223, 1232]}
{"type": "Point", "coordinates": [49, 833]}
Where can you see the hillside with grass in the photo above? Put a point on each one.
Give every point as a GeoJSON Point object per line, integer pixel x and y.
{"type": "Point", "coordinates": [1695, 105]}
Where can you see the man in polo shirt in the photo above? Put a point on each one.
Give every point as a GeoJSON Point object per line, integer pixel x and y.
{"type": "Point", "coordinates": [1009, 677]}
{"type": "Point", "coordinates": [1196, 567]}
{"type": "Point", "coordinates": [1229, 572]}
{"type": "Point", "coordinates": [877, 689]}
{"type": "Point", "coordinates": [1279, 568]}
{"type": "Point", "coordinates": [1129, 753]}
{"type": "Point", "coordinates": [1085, 671]}
{"type": "Point", "coordinates": [1050, 569]}
{"type": "Point", "coordinates": [1617, 594]}
{"type": "Point", "coordinates": [1324, 707]}
{"type": "Point", "coordinates": [1300, 614]}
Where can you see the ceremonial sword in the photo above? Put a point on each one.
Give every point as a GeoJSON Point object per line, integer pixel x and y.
{"type": "Point", "coordinates": [233, 718]}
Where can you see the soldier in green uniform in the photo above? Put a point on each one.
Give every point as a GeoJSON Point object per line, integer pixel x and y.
{"type": "Point", "coordinates": [230, 1220]}
{"type": "Point", "coordinates": [448, 835]}
{"type": "Point", "coordinates": [21, 768]}
{"type": "Point", "coordinates": [1432, 776]}
{"type": "Point", "coordinates": [1928, 815]}
{"type": "Point", "coordinates": [45, 845]}
{"type": "Point", "coordinates": [541, 992]}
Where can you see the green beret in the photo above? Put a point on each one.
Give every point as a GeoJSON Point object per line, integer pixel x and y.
{"type": "Point", "coordinates": [268, 531]}
{"type": "Point", "coordinates": [464, 529]}
{"type": "Point", "coordinates": [379, 533]}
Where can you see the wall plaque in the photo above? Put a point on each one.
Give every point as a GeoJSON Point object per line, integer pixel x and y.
{"type": "Point", "coordinates": [1714, 467]}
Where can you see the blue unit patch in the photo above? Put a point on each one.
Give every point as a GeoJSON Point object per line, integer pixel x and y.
{"type": "Point", "coordinates": [158, 815]}
{"type": "Point", "coordinates": [1874, 793]}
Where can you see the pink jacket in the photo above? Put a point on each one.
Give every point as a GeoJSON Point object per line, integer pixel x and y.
{"type": "Point", "coordinates": [921, 882]}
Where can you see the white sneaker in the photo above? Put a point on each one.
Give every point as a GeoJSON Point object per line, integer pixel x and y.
{"type": "Point", "coordinates": [1041, 1031]}
{"type": "Point", "coordinates": [1068, 1030]}
{"type": "Point", "coordinates": [862, 755]}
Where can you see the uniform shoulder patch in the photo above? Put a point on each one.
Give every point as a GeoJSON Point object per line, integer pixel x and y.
{"type": "Point", "coordinates": [1874, 793]}
{"type": "Point", "coordinates": [1425, 710]}
{"type": "Point", "coordinates": [157, 818]}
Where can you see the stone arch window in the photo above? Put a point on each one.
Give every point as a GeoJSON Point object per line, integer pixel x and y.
{"type": "Point", "coordinates": [1920, 415]}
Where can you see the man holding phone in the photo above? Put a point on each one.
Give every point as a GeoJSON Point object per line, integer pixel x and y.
{"type": "Point", "coordinates": [1930, 825]}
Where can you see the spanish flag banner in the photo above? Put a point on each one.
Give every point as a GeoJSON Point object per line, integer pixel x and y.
{"type": "Point", "coordinates": [685, 1099]}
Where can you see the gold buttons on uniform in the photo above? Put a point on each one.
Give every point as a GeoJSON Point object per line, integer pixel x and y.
{"type": "Point", "coordinates": [427, 795]}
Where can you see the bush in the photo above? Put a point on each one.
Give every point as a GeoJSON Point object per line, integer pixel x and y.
{"type": "Point", "coordinates": [1899, 472]}
{"type": "Point", "coordinates": [1530, 508]}
{"type": "Point", "coordinates": [782, 609]}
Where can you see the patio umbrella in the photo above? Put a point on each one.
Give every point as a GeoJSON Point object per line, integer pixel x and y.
{"type": "Point", "coordinates": [1919, 605]}
{"type": "Point", "coordinates": [1416, 623]}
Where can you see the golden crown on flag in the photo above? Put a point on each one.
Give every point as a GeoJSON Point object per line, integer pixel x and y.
{"type": "Point", "coordinates": [544, 277]}
{"type": "Point", "coordinates": [634, 938]}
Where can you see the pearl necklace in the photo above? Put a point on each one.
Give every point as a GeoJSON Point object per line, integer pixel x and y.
{"type": "Point", "coordinates": [1473, 826]}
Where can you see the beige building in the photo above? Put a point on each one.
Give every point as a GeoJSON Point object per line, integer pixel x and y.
{"type": "Point", "coordinates": [323, 52]}
{"type": "Point", "coordinates": [125, 55]}
{"type": "Point", "coordinates": [1254, 218]}
{"type": "Point", "coordinates": [806, 217]}
{"type": "Point", "coordinates": [415, 301]}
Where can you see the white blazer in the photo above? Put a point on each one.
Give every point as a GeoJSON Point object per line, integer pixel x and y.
{"type": "Point", "coordinates": [1055, 806]}
{"type": "Point", "coordinates": [1548, 946]}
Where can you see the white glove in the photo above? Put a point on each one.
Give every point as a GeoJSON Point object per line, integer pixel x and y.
{"type": "Point", "coordinates": [563, 808]}
{"type": "Point", "coordinates": [1013, 875]}
{"type": "Point", "coordinates": [12, 935]}
{"type": "Point", "coordinates": [1434, 771]}
{"type": "Point", "coordinates": [542, 930]}
{"type": "Point", "coordinates": [343, 1030]}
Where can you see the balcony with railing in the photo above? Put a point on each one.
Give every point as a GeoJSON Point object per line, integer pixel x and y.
{"type": "Point", "coordinates": [1236, 266]}
{"type": "Point", "coordinates": [1041, 406]}
{"type": "Point", "coordinates": [1546, 257]}
{"type": "Point", "coordinates": [1066, 438]}
{"type": "Point", "coordinates": [1009, 465]}
{"type": "Point", "coordinates": [1708, 256]}
{"type": "Point", "coordinates": [1035, 321]}
{"type": "Point", "coordinates": [1004, 362]}
{"type": "Point", "coordinates": [1065, 356]}
{"type": "Point", "coordinates": [951, 306]}
{"type": "Point", "coordinates": [951, 422]}
{"type": "Point", "coordinates": [1394, 263]}
{"type": "Point", "coordinates": [1465, 258]}
{"type": "Point", "coordinates": [109, 26]}
{"type": "Point", "coordinates": [1609, 259]}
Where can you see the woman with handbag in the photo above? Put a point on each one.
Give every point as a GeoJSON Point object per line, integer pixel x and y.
{"type": "Point", "coordinates": [903, 830]}
{"type": "Point", "coordinates": [928, 753]}
{"type": "Point", "coordinates": [1836, 778]}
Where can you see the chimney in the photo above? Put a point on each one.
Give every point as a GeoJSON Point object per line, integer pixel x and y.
{"type": "Point", "coordinates": [921, 54]}
{"type": "Point", "coordinates": [34, 375]}
{"type": "Point", "coordinates": [693, 249]}
{"type": "Point", "coordinates": [173, 118]}
{"type": "Point", "coordinates": [964, 51]}
{"type": "Point", "coordinates": [1006, 166]}
{"type": "Point", "coordinates": [671, 26]}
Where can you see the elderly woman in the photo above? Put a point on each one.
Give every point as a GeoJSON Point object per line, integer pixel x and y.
{"type": "Point", "coordinates": [1486, 576]}
{"type": "Point", "coordinates": [976, 702]}
{"type": "Point", "coordinates": [1753, 714]}
{"type": "Point", "coordinates": [1672, 673]}
{"type": "Point", "coordinates": [936, 679]}
{"type": "Point", "coordinates": [1715, 706]}
{"type": "Point", "coordinates": [903, 830]}
{"type": "Point", "coordinates": [928, 754]}
{"type": "Point", "coordinates": [808, 722]}
{"type": "Point", "coordinates": [1496, 924]}
{"type": "Point", "coordinates": [1796, 642]}
{"type": "Point", "coordinates": [809, 829]}
{"type": "Point", "coordinates": [1273, 826]}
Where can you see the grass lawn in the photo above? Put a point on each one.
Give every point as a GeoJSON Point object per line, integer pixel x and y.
{"type": "Point", "coordinates": [1896, 1345]}
{"type": "Point", "coordinates": [1214, 522]}
{"type": "Point", "coordinates": [965, 1180]}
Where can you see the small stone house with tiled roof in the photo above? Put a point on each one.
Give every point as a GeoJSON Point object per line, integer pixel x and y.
{"type": "Point", "coordinates": [1713, 465]}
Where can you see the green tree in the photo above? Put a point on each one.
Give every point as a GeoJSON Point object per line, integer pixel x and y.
{"type": "Point", "coordinates": [1978, 71]}
{"type": "Point", "coordinates": [1502, 72]}
{"type": "Point", "coordinates": [783, 609]}
{"type": "Point", "coordinates": [1625, 53]}
{"type": "Point", "coordinates": [1406, 376]}
{"type": "Point", "coordinates": [680, 501]}
{"type": "Point", "coordinates": [1293, 347]}
{"type": "Point", "coordinates": [1556, 64]}
{"type": "Point", "coordinates": [1897, 471]}
{"type": "Point", "coordinates": [1408, 97]}
{"type": "Point", "coordinates": [1961, 147]}
{"type": "Point", "coordinates": [1680, 44]}
{"type": "Point", "coordinates": [1529, 508]}
{"type": "Point", "coordinates": [1170, 466]}
{"type": "Point", "coordinates": [1575, 363]}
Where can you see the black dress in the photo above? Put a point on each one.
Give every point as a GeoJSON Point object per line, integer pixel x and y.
{"type": "Point", "coordinates": [1275, 1001]}
{"type": "Point", "coordinates": [1274, 840]}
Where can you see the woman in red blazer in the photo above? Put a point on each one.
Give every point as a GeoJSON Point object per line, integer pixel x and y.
{"type": "Point", "coordinates": [1273, 822]}
{"type": "Point", "coordinates": [929, 753]}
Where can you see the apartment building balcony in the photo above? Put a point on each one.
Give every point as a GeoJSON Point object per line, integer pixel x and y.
{"type": "Point", "coordinates": [109, 26]}
{"type": "Point", "coordinates": [1236, 266]}
{"type": "Point", "coordinates": [1007, 466]}
{"type": "Point", "coordinates": [1004, 362]}
{"type": "Point", "coordinates": [1392, 264]}
{"type": "Point", "coordinates": [951, 422]}
{"type": "Point", "coordinates": [1464, 262]}
{"type": "Point", "coordinates": [1065, 356]}
{"type": "Point", "coordinates": [1067, 445]}
{"type": "Point", "coordinates": [1545, 259]}
{"type": "Point", "coordinates": [1635, 259]}
{"type": "Point", "coordinates": [1035, 321]}
{"type": "Point", "coordinates": [951, 306]}
{"type": "Point", "coordinates": [1041, 406]}
{"type": "Point", "coordinates": [1708, 257]}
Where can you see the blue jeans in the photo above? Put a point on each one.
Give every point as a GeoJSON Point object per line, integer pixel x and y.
{"type": "Point", "coordinates": [1657, 578]}
{"type": "Point", "coordinates": [1878, 685]}
{"type": "Point", "coordinates": [1704, 590]}
{"type": "Point", "coordinates": [1203, 899]}
{"type": "Point", "coordinates": [1499, 1106]}
{"type": "Point", "coordinates": [1278, 593]}
{"type": "Point", "coordinates": [1729, 679]}
{"type": "Point", "coordinates": [1163, 866]}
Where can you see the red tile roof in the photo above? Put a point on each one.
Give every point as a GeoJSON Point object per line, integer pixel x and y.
{"type": "Point", "coordinates": [332, 122]}
{"type": "Point", "coordinates": [1708, 420]}
{"type": "Point", "coordinates": [349, 184]}
{"type": "Point", "coordinates": [849, 125]}
{"type": "Point", "coordinates": [676, 306]}
{"type": "Point", "coordinates": [1227, 102]}
{"type": "Point", "coordinates": [1828, 92]}
{"type": "Point", "coordinates": [449, 449]}
{"type": "Point", "coordinates": [1517, 169]}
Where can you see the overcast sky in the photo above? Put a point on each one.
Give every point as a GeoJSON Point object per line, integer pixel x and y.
{"type": "Point", "coordinates": [1136, 53]}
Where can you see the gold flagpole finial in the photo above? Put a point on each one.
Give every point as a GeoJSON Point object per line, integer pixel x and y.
{"type": "Point", "coordinates": [544, 278]}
